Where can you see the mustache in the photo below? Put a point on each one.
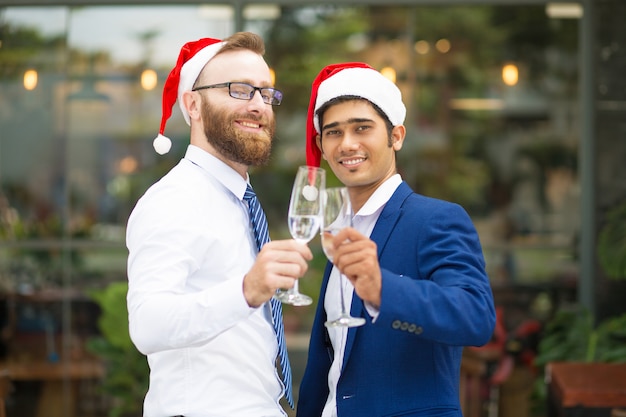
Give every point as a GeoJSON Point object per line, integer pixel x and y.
{"type": "Point", "coordinates": [254, 117]}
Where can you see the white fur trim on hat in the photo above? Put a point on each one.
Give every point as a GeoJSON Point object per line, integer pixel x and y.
{"type": "Point", "coordinates": [191, 70]}
{"type": "Point", "coordinates": [367, 83]}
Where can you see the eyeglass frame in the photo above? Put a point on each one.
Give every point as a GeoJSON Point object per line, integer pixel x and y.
{"type": "Point", "coordinates": [272, 90]}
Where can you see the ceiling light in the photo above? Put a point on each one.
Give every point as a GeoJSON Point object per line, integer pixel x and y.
{"type": "Point", "coordinates": [564, 10]}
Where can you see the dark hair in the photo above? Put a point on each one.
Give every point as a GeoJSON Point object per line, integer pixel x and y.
{"type": "Point", "coordinates": [342, 99]}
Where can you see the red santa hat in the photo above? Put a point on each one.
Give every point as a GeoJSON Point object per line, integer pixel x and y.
{"type": "Point", "coordinates": [350, 79]}
{"type": "Point", "coordinates": [192, 58]}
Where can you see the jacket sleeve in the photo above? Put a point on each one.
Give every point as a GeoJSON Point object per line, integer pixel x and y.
{"type": "Point", "coordinates": [434, 281]}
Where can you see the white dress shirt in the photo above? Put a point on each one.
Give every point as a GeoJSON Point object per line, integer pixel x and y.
{"type": "Point", "coordinates": [190, 244]}
{"type": "Point", "coordinates": [364, 222]}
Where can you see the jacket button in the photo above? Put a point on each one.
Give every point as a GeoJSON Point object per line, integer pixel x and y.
{"type": "Point", "coordinates": [412, 328]}
{"type": "Point", "coordinates": [396, 324]}
{"type": "Point", "coordinates": [419, 330]}
{"type": "Point", "coordinates": [404, 326]}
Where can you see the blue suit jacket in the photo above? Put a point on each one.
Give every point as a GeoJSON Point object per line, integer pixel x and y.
{"type": "Point", "coordinates": [436, 298]}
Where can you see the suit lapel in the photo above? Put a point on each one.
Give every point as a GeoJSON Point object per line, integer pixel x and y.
{"type": "Point", "coordinates": [389, 217]}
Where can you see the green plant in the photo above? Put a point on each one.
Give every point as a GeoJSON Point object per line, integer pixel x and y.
{"type": "Point", "coordinates": [126, 380]}
{"type": "Point", "coordinates": [572, 335]}
{"type": "Point", "coordinates": [612, 243]}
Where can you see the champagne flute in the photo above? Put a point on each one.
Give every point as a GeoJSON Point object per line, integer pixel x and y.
{"type": "Point", "coordinates": [304, 219]}
{"type": "Point", "coordinates": [336, 215]}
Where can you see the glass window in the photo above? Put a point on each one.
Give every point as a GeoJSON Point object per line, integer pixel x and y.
{"type": "Point", "coordinates": [80, 103]}
{"type": "Point", "coordinates": [492, 122]}
{"type": "Point", "coordinates": [492, 118]}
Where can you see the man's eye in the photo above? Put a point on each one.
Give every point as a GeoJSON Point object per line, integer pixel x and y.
{"type": "Point", "coordinates": [240, 90]}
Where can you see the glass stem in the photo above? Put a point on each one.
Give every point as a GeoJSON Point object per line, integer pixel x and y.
{"type": "Point", "coordinates": [343, 304]}
{"type": "Point", "coordinates": [294, 290]}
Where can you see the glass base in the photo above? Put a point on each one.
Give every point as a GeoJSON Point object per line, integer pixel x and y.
{"type": "Point", "coordinates": [346, 321]}
{"type": "Point", "coordinates": [293, 298]}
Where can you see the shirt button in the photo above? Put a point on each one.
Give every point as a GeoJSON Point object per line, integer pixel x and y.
{"type": "Point", "coordinates": [396, 324]}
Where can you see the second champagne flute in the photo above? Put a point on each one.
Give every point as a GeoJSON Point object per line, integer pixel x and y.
{"type": "Point", "coordinates": [336, 215]}
{"type": "Point", "coordinates": [304, 219]}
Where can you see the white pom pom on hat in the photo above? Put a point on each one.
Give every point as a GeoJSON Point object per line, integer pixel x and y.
{"type": "Point", "coordinates": [192, 58]}
{"type": "Point", "coordinates": [350, 79]}
{"type": "Point", "coordinates": [162, 144]}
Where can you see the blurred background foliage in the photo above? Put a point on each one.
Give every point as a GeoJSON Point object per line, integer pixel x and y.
{"type": "Point", "coordinates": [473, 158]}
{"type": "Point", "coordinates": [126, 382]}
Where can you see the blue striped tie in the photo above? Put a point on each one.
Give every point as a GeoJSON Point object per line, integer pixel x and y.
{"type": "Point", "coordinates": [261, 233]}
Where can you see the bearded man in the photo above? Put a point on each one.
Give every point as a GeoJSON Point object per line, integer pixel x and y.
{"type": "Point", "coordinates": [201, 280]}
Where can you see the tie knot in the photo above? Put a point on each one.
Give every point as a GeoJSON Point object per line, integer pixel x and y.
{"type": "Point", "coordinates": [249, 194]}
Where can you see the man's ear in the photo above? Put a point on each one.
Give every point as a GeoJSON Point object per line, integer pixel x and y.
{"type": "Point", "coordinates": [318, 141]}
{"type": "Point", "coordinates": [397, 137]}
{"type": "Point", "coordinates": [192, 103]}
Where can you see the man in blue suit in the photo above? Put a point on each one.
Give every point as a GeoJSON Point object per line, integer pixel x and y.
{"type": "Point", "coordinates": [415, 267]}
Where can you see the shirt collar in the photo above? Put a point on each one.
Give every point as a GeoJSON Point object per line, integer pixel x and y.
{"type": "Point", "coordinates": [380, 196]}
{"type": "Point", "coordinates": [227, 176]}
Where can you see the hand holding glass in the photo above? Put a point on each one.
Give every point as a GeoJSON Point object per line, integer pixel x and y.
{"type": "Point", "coordinates": [336, 215]}
{"type": "Point", "coordinates": [304, 219]}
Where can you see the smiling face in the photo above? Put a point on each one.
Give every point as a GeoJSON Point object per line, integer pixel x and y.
{"type": "Point", "coordinates": [356, 144]}
{"type": "Point", "coordinates": [239, 131]}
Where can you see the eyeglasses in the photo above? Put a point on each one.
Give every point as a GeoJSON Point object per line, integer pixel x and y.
{"type": "Point", "coordinates": [245, 91]}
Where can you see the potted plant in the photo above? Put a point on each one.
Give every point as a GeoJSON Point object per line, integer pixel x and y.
{"type": "Point", "coordinates": [574, 334]}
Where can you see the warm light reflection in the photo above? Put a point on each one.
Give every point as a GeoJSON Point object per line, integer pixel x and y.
{"type": "Point", "coordinates": [389, 73]}
{"type": "Point", "coordinates": [564, 10]}
{"type": "Point", "coordinates": [128, 165]}
{"type": "Point", "coordinates": [273, 76]}
{"type": "Point", "coordinates": [149, 79]}
{"type": "Point", "coordinates": [510, 74]}
{"type": "Point", "coordinates": [476, 104]}
{"type": "Point", "coordinates": [422, 47]}
{"type": "Point", "coordinates": [443, 45]}
{"type": "Point", "coordinates": [30, 79]}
